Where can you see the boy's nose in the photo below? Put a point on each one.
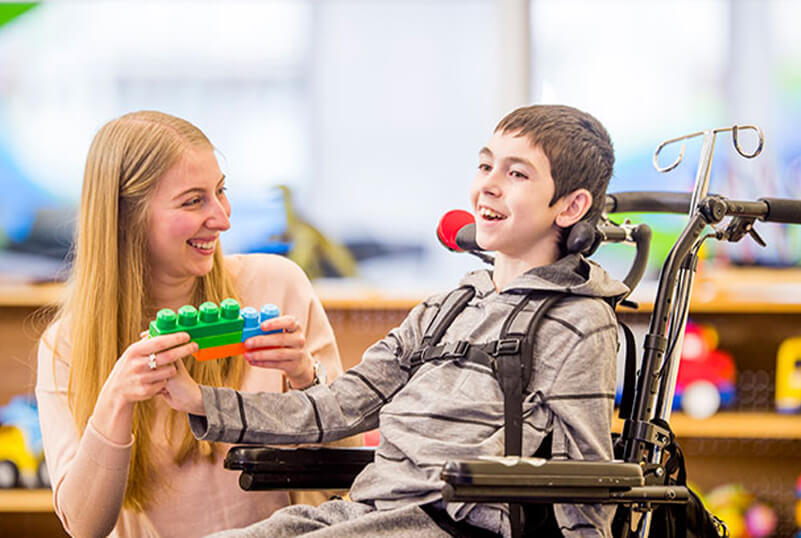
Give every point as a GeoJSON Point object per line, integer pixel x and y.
{"type": "Point", "coordinates": [491, 184]}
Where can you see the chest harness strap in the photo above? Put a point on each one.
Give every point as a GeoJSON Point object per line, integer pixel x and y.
{"type": "Point", "coordinates": [510, 358]}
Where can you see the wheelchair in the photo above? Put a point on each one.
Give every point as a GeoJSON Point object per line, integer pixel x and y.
{"type": "Point", "coordinates": [647, 481]}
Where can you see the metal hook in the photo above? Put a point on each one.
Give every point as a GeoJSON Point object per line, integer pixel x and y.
{"type": "Point", "coordinates": [735, 130]}
{"type": "Point", "coordinates": [761, 140]}
{"type": "Point", "coordinates": [681, 152]}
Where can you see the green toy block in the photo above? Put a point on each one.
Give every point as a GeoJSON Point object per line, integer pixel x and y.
{"type": "Point", "coordinates": [218, 340]}
{"type": "Point", "coordinates": [207, 321]}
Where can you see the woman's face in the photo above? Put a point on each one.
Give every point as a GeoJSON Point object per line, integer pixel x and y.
{"type": "Point", "coordinates": [188, 211]}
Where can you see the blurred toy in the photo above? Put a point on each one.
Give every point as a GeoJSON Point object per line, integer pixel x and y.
{"type": "Point", "coordinates": [788, 376]}
{"type": "Point", "coordinates": [744, 515]}
{"type": "Point", "coordinates": [798, 503]}
{"type": "Point", "coordinates": [312, 250]}
{"type": "Point", "coordinates": [21, 451]}
{"type": "Point", "coordinates": [707, 375]}
{"type": "Point", "coordinates": [760, 520]}
{"type": "Point", "coordinates": [219, 331]}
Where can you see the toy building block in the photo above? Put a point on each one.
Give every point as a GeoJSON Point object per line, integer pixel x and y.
{"type": "Point", "coordinates": [208, 320]}
{"type": "Point", "coordinates": [252, 327]}
{"type": "Point", "coordinates": [254, 319]}
{"type": "Point", "coordinates": [219, 332]}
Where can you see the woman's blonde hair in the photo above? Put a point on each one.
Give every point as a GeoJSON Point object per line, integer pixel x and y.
{"type": "Point", "coordinates": [108, 303]}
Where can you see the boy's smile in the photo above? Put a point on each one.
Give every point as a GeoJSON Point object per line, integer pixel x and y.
{"type": "Point", "coordinates": [510, 196]}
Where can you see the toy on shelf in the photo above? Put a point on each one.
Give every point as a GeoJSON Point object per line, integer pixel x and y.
{"type": "Point", "coordinates": [21, 451]}
{"type": "Point", "coordinates": [798, 505]}
{"type": "Point", "coordinates": [788, 376]}
{"type": "Point", "coordinates": [744, 515]}
{"type": "Point", "coordinates": [707, 375]}
{"type": "Point", "coordinates": [220, 331]}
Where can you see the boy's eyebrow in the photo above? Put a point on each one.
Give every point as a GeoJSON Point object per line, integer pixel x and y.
{"type": "Point", "coordinates": [198, 189]}
{"type": "Point", "coordinates": [486, 152]}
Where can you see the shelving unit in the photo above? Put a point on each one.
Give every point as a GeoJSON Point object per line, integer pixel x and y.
{"type": "Point", "coordinates": [753, 310]}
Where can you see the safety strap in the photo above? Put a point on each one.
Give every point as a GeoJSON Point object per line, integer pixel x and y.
{"type": "Point", "coordinates": [510, 357]}
{"type": "Point", "coordinates": [513, 372]}
{"type": "Point", "coordinates": [630, 373]}
{"type": "Point", "coordinates": [449, 309]}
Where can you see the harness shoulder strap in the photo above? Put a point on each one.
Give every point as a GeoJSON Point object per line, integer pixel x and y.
{"type": "Point", "coordinates": [453, 305]}
{"type": "Point", "coordinates": [513, 371]}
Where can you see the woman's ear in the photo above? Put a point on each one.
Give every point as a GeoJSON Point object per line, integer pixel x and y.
{"type": "Point", "coordinates": [575, 206]}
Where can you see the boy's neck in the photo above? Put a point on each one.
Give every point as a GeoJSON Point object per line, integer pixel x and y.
{"type": "Point", "coordinates": [507, 268]}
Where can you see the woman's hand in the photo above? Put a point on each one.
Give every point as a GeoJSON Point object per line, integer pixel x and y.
{"type": "Point", "coordinates": [285, 350]}
{"type": "Point", "coordinates": [182, 393]}
{"type": "Point", "coordinates": [140, 373]}
{"type": "Point", "coordinates": [144, 368]}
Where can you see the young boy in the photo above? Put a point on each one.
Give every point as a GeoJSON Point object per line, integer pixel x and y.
{"type": "Point", "coordinates": [544, 169]}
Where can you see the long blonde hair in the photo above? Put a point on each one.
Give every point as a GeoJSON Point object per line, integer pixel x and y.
{"type": "Point", "coordinates": [108, 301]}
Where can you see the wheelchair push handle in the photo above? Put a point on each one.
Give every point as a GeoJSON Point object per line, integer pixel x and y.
{"type": "Point", "coordinates": [782, 210]}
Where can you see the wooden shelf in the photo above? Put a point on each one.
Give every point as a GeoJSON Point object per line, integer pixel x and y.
{"type": "Point", "coordinates": [26, 500]}
{"type": "Point", "coordinates": [739, 290]}
{"type": "Point", "coordinates": [734, 425]}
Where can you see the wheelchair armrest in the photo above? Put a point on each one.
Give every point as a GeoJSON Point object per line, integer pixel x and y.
{"type": "Point", "coordinates": [269, 468]}
{"type": "Point", "coordinates": [536, 480]}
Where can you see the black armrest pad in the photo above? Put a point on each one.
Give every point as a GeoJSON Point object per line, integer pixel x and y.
{"type": "Point", "coordinates": [535, 480]}
{"type": "Point", "coordinates": [268, 468]}
{"type": "Point", "coordinates": [538, 472]}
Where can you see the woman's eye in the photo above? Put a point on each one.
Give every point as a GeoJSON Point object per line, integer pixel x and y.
{"type": "Point", "coordinates": [484, 167]}
{"type": "Point", "coordinates": [193, 201]}
{"type": "Point", "coordinates": [519, 175]}
{"type": "Point", "coordinates": [221, 191]}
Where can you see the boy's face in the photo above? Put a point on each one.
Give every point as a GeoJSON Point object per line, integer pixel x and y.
{"type": "Point", "coordinates": [510, 196]}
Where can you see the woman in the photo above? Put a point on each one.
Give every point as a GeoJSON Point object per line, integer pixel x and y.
{"type": "Point", "coordinates": [152, 209]}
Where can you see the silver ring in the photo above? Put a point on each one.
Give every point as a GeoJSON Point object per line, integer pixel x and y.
{"type": "Point", "coordinates": [151, 361]}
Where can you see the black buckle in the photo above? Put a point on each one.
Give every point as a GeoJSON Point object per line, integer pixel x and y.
{"type": "Point", "coordinates": [507, 346]}
{"type": "Point", "coordinates": [459, 349]}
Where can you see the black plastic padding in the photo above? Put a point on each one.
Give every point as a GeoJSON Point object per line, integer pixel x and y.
{"type": "Point", "coordinates": [648, 202]}
{"type": "Point", "coordinates": [642, 239]}
{"type": "Point", "coordinates": [466, 238]}
{"type": "Point", "coordinates": [783, 210]}
{"type": "Point", "coordinates": [582, 238]}
{"type": "Point", "coordinates": [537, 472]}
{"type": "Point", "coordinates": [267, 468]}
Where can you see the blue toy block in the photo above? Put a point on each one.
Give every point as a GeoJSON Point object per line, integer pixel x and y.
{"type": "Point", "coordinates": [253, 320]}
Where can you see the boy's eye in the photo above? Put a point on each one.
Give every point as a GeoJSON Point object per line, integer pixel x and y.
{"type": "Point", "coordinates": [519, 175]}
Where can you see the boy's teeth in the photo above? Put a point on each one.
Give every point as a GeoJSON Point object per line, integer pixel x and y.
{"type": "Point", "coordinates": [206, 245]}
{"type": "Point", "coordinates": [488, 213]}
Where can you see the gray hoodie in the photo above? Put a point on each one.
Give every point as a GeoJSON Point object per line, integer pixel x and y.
{"type": "Point", "coordinates": [453, 409]}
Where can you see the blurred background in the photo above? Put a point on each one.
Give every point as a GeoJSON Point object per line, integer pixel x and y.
{"type": "Point", "coordinates": [372, 112]}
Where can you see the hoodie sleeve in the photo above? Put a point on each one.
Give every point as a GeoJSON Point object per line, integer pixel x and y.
{"type": "Point", "coordinates": [575, 397]}
{"type": "Point", "coordinates": [347, 406]}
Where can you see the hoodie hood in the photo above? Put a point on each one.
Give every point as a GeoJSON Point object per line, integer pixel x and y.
{"type": "Point", "coordinates": [573, 274]}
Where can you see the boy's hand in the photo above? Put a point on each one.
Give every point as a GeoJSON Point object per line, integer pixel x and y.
{"type": "Point", "coordinates": [285, 350]}
{"type": "Point", "coordinates": [182, 393]}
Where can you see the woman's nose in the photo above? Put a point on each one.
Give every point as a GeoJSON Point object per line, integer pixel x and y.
{"type": "Point", "coordinates": [219, 219]}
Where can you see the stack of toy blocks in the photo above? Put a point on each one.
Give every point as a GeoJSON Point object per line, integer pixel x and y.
{"type": "Point", "coordinates": [219, 331]}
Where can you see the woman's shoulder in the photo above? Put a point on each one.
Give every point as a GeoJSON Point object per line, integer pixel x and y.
{"type": "Point", "coordinates": [245, 266]}
{"type": "Point", "coordinates": [260, 277]}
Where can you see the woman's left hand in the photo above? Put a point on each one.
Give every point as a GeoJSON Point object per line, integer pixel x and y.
{"type": "Point", "coordinates": [284, 350]}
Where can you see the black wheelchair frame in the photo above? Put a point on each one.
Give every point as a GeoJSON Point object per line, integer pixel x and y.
{"type": "Point", "coordinates": [639, 481]}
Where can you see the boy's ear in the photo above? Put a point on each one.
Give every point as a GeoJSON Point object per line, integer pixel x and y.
{"type": "Point", "coordinates": [574, 206]}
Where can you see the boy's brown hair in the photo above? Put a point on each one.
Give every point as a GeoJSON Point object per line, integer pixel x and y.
{"type": "Point", "coordinates": [577, 145]}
